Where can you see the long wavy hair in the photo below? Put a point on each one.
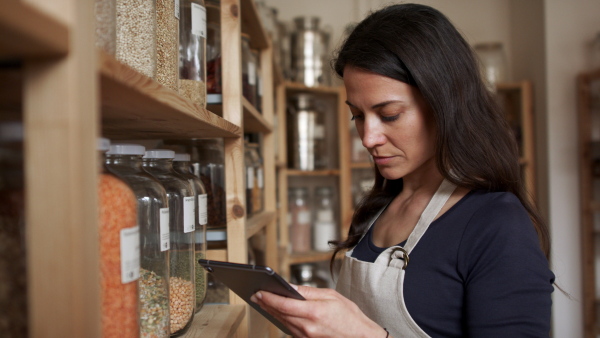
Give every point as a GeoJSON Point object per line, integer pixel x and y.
{"type": "Point", "coordinates": [475, 147]}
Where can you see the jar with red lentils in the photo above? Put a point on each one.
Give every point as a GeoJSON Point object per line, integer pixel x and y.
{"type": "Point", "coordinates": [125, 160]}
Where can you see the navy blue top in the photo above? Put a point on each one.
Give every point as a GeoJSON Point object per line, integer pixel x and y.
{"type": "Point", "coordinates": [478, 271]}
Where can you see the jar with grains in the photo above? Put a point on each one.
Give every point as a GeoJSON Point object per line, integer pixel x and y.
{"type": "Point", "coordinates": [119, 235]}
{"type": "Point", "coordinates": [248, 71]}
{"type": "Point", "coordinates": [207, 162]}
{"type": "Point", "coordinates": [259, 185]}
{"type": "Point", "coordinates": [106, 25]}
{"type": "Point", "coordinates": [125, 160]}
{"type": "Point", "coordinates": [182, 223]}
{"type": "Point", "coordinates": [136, 35]}
{"type": "Point", "coordinates": [181, 165]}
{"type": "Point", "coordinates": [192, 51]}
{"type": "Point", "coordinates": [167, 43]}
{"type": "Point", "coordinates": [214, 88]}
{"type": "Point", "coordinates": [13, 271]}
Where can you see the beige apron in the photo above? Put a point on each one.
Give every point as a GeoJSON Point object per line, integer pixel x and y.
{"type": "Point", "coordinates": [377, 288]}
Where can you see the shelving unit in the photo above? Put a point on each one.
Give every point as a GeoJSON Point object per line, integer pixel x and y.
{"type": "Point", "coordinates": [67, 93]}
{"type": "Point", "coordinates": [588, 92]}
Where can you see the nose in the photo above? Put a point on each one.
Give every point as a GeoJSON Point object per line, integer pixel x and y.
{"type": "Point", "coordinates": [372, 134]}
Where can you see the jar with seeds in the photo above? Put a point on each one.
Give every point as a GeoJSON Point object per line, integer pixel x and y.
{"type": "Point", "coordinates": [167, 43]}
{"type": "Point", "coordinates": [136, 35]}
{"type": "Point", "coordinates": [125, 160]}
{"type": "Point", "coordinates": [182, 290]}
{"type": "Point", "coordinates": [106, 25]}
{"type": "Point", "coordinates": [192, 51]}
{"type": "Point", "coordinates": [182, 166]}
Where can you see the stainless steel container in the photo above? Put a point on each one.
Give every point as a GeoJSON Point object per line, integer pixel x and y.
{"type": "Point", "coordinates": [309, 52]}
{"type": "Point", "coordinates": [305, 132]}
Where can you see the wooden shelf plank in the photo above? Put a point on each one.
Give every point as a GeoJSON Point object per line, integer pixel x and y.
{"type": "Point", "coordinates": [254, 121]}
{"type": "Point", "coordinates": [300, 87]}
{"type": "Point", "coordinates": [309, 257]}
{"type": "Point", "coordinates": [331, 172]}
{"type": "Point", "coordinates": [361, 165]}
{"type": "Point", "coordinates": [29, 33]}
{"type": "Point", "coordinates": [252, 25]}
{"type": "Point", "coordinates": [135, 106]}
{"type": "Point", "coordinates": [216, 321]}
{"type": "Point", "coordinates": [258, 222]}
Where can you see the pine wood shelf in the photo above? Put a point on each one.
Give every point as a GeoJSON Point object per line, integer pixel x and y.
{"type": "Point", "coordinates": [300, 87]}
{"type": "Point", "coordinates": [361, 165]}
{"type": "Point", "coordinates": [216, 321]}
{"type": "Point", "coordinates": [252, 25]}
{"type": "Point", "coordinates": [29, 33]}
{"type": "Point", "coordinates": [330, 172]}
{"type": "Point", "coordinates": [309, 257]}
{"type": "Point", "coordinates": [254, 121]}
{"type": "Point", "coordinates": [258, 222]}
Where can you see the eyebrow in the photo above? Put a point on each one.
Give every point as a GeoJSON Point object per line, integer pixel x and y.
{"type": "Point", "coordinates": [378, 105]}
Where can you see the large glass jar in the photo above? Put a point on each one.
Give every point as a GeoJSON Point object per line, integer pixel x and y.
{"type": "Point", "coordinates": [167, 43]}
{"type": "Point", "coordinates": [125, 160]}
{"type": "Point", "coordinates": [258, 185]}
{"type": "Point", "coordinates": [182, 290]}
{"type": "Point", "coordinates": [181, 165]}
{"type": "Point", "coordinates": [324, 225]}
{"type": "Point", "coordinates": [119, 235]}
{"type": "Point", "coordinates": [493, 63]}
{"type": "Point", "coordinates": [214, 87]}
{"type": "Point", "coordinates": [192, 51]}
{"type": "Point", "coordinates": [248, 71]}
{"type": "Point", "coordinates": [106, 25]}
{"type": "Point", "coordinates": [300, 230]}
{"type": "Point", "coordinates": [13, 272]}
{"type": "Point", "coordinates": [136, 35]}
{"type": "Point", "coordinates": [250, 178]}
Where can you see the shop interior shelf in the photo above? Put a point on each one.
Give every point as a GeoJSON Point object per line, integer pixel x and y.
{"type": "Point", "coordinates": [252, 25]}
{"type": "Point", "coordinates": [254, 121]}
{"type": "Point", "coordinates": [216, 321]}
{"type": "Point", "coordinates": [325, 172]}
{"type": "Point", "coordinates": [257, 222]}
{"type": "Point", "coordinates": [309, 257]}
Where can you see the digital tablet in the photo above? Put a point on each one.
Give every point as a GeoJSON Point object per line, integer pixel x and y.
{"type": "Point", "coordinates": [246, 279]}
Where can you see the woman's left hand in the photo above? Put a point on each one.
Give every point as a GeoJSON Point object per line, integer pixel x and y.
{"type": "Point", "coordinates": [324, 313]}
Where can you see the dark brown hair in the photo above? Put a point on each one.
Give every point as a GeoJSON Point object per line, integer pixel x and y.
{"type": "Point", "coordinates": [475, 148]}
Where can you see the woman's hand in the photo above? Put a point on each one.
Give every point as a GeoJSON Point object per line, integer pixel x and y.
{"type": "Point", "coordinates": [324, 313]}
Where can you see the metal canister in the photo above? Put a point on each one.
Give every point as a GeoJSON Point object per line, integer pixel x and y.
{"type": "Point", "coordinates": [302, 132]}
{"type": "Point", "coordinates": [309, 52]}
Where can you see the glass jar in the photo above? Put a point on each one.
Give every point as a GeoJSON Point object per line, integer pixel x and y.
{"type": "Point", "coordinates": [181, 165]}
{"type": "Point", "coordinates": [119, 235]}
{"type": "Point", "coordinates": [258, 188]}
{"type": "Point", "coordinates": [182, 290]}
{"type": "Point", "coordinates": [192, 51]}
{"type": "Point", "coordinates": [493, 63]}
{"type": "Point", "coordinates": [248, 71]}
{"type": "Point", "coordinates": [217, 292]}
{"type": "Point", "coordinates": [307, 147]}
{"type": "Point", "coordinates": [300, 220]}
{"type": "Point", "coordinates": [324, 226]}
{"type": "Point", "coordinates": [125, 161]}
{"type": "Point", "coordinates": [106, 25]}
{"type": "Point", "coordinates": [250, 178]}
{"type": "Point", "coordinates": [136, 35]}
{"type": "Point", "coordinates": [167, 43]}
{"type": "Point", "coordinates": [258, 92]}
{"type": "Point", "coordinates": [13, 259]}
{"type": "Point", "coordinates": [214, 87]}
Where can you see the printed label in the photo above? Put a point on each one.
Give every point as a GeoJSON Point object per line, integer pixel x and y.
{"type": "Point", "coordinates": [177, 9]}
{"type": "Point", "coordinates": [203, 209]}
{"type": "Point", "coordinates": [130, 254]}
{"type": "Point", "coordinates": [251, 73]}
{"type": "Point", "coordinates": [165, 237]}
{"type": "Point", "coordinates": [198, 20]}
{"type": "Point", "coordinates": [189, 212]}
{"type": "Point", "coordinates": [249, 177]}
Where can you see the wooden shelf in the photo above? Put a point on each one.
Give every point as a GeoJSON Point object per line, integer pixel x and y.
{"type": "Point", "coordinates": [309, 257]}
{"type": "Point", "coordinates": [216, 321]}
{"type": "Point", "coordinates": [300, 87]}
{"type": "Point", "coordinates": [258, 222]}
{"type": "Point", "coordinates": [361, 165]}
{"type": "Point", "coordinates": [252, 25]}
{"type": "Point", "coordinates": [295, 172]}
{"type": "Point", "coordinates": [254, 121]}
{"type": "Point", "coordinates": [30, 33]}
{"type": "Point", "coordinates": [135, 106]}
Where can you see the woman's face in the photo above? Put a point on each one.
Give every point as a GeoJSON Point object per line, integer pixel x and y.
{"type": "Point", "coordinates": [393, 121]}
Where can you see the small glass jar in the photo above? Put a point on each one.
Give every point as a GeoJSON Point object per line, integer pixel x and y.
{"type": "Point", "coordinates": [493, 63]}
{"type": "Point", "coordinates": [258, 186]}
{"type": "Point", "coordinates": [258, 88]}
{"type": "Point", "coordinates": [167, 43]}
{"type": "Point", "coordinates": [248, 71]}
{"type": "Point", "coordinates": [125, 160]}
{"type": "Point", "coordinates": [181, 165]}
{"type": "Point", "coordinates": [324, 226]}
{"type": "Point", "coordinates": [136, 35]}
{"type": "Point", "coordinates": [300, 220]}
{"type": "Point", "coordinates": [13, 259]}
{"type": "Point", "coordinates": [119, 235]}
{"type": "Point", "coordinates": [217, 292]}
{"type": "Point", "coordinates": [192, 51]}
{"type": "Point", "coordinates": [182, 290]}
{"type": "Point", "coordinates": [106, 25]}
{"type": "Point", "coordinates": [214, 87]}
{"type": "Point", "coordinates": [250, 178]}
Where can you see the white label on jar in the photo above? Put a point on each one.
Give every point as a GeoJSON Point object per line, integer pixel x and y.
{"type": "Point", "coordinates": [303, 217]}
{"type": "Point", "coordinates": [251, 73]}
{"type": "Point", "coordinates": [130, 254]}
{"type": "Point", "coordinates": [261, 180]}
{"type": "Point", "coordinates": [323, 233]}
{"type": "Point", "coordinates": [177, 9]}
{"type": "Point", "coordinates": [165, 237]}
{"type": "Point", "coordinates": [189, 214]}
{"type": "Point", "coordinates": [198, 20]}
{"type": "Point", "coordinates": [203, 209]}
{"type": "Point", "coordinates": [249, 177]}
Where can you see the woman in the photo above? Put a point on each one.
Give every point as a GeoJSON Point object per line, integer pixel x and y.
{"type": "Point", "coordinates": [446, 244]}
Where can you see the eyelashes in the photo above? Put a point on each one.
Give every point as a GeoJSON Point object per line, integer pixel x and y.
{"type": "Point", "coordinates": [383, 118]}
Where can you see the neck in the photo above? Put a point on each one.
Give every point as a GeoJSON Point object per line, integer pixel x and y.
{"type": "Point", "coordinates": [427, 178]}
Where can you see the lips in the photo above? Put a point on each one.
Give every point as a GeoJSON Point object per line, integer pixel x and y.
{"type": "Point", "coordinates": [381, 160]}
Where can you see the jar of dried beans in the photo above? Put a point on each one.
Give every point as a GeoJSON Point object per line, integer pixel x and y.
{"type": "Point", "coordinates": [167, 43]}
{"type": "Point", "coordinates": [192, 49]}
{"type": "Point", "coordinates": [136, 35]}
{"type": "Point", "coordinates": [13, 272]}
{"type": "Point", "coordinates": [119, 235]}
{"type": "Point", "coordinates": [181, 164]}
{"type": "Point", "coordinates": [125, 160]}
{"type": "Point", "coordinates": [182, 290]}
